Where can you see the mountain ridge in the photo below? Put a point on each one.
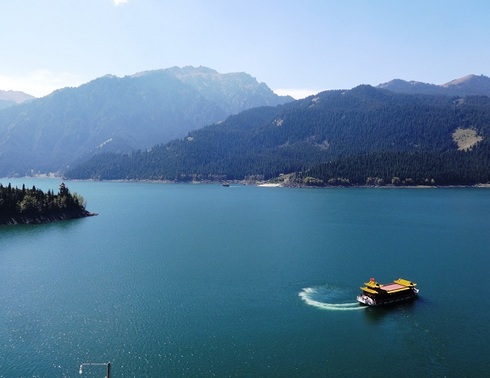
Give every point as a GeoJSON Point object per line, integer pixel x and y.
{"type": "Point", "coordinates": [374, 132]}
{"type": "Point", "coordinates": [469, 85]}
{"type": "Point", "coordinates": [118, 114]}
{"type": "Point", "coordinates": [10, 98]}
{"type": "Point", "coordinates": [164, 113]}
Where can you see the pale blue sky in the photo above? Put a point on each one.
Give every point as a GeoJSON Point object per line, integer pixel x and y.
{"type": "Point", "coordinates": [309, 45]}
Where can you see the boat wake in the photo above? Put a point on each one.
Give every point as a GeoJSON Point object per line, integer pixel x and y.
{"type": "Point", "coordinates": [328, 298]}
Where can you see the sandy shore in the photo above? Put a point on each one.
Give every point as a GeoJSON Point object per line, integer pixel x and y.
{"type": "Point", "coordinates": [269, 185]}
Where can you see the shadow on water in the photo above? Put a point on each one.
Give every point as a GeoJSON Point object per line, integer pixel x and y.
{"type": "Point", "coordinates": [33, 229]}
{"type": "Point", "coordinates": [377, 314]}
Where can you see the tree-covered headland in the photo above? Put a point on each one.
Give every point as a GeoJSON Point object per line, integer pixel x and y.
{"type": "Point", "coordinates": [35, 206]}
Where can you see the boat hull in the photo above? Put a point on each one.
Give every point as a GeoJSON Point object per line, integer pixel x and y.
{"type": "Point", "coordinates": [365, 300]}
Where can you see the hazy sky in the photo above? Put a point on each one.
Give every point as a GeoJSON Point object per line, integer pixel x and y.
{"type": "Point", "coordinates": [291, 45]}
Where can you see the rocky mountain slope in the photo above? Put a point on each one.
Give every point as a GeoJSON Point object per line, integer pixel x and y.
{"type": "Point", "coordinates": [121, 114]}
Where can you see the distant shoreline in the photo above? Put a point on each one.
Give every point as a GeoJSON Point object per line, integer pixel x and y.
{"type": "Point", "coordinates": [263, 184]}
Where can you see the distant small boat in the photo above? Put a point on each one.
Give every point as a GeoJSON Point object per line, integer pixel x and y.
{"type": "Point", "coordinates": [226, 184]}
{"type": "Point", "coordinates": [374, 294]}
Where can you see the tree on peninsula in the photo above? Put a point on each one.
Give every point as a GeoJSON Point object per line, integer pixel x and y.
{"type": "Point", "coordinates": [35, 206]}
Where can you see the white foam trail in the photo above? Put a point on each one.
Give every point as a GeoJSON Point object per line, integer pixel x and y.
{"type": "Point", "coordinates": [306, 296]}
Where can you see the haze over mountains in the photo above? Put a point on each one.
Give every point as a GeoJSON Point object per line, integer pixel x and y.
{"type": "Point", "coordinates": [10, 98]}
{"type": "Point", "coordinates": [165, 113]}
{"type": "Point", "coordinates": [121, 114]}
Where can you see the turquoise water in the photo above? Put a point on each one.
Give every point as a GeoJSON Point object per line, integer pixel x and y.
{"type": "Point", "coordinates": [202, 280]}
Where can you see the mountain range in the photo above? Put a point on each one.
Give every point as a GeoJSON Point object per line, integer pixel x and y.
{"type": "Point", "coordinates": [194, 123]}
{"type": "Point", "coordinates": [120, 115]}
{"type": "Point", "coordinates": [471, 85]}
{"type": "Point", "coordinates": [358, 136]}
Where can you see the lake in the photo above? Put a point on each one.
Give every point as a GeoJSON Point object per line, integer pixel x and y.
{"type": "Point", "coordinates": [203, 280]}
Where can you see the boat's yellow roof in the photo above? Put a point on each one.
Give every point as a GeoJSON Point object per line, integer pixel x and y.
{"type": "Point", "coordinates": [368, 290]}
{"type": "Point", "coordinates": [373, 284]}
{"type": "Point", "coordinates": [398, 285]}
{"type": "Point", "coordinates": [404, 282]}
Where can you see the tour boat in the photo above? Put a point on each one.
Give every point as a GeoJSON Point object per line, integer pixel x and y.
{"type": "Point", "coordinates": [374, 294]}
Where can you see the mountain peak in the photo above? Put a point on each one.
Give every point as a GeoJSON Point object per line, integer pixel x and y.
{"type": "Point", "coordinates": [470, 80]}
{"type": "Point", "coordinates": [15, 96]}
{"type": "Point", "coordinates": [192, 71]}
{"type": "Point", "coordinates": [10, 98]}
{"type": "Point", "coordinates": [402, 86]}
{"type": "Point", "coordinates": [464, 86]}
{"type": "Point", "coordinates": [461, 80]}
{"type": "Point", "coordinates": [239, 89]}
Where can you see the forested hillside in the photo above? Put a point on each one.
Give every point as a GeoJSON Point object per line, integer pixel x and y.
{"type": "Point", "coordinates": [359, 136]}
